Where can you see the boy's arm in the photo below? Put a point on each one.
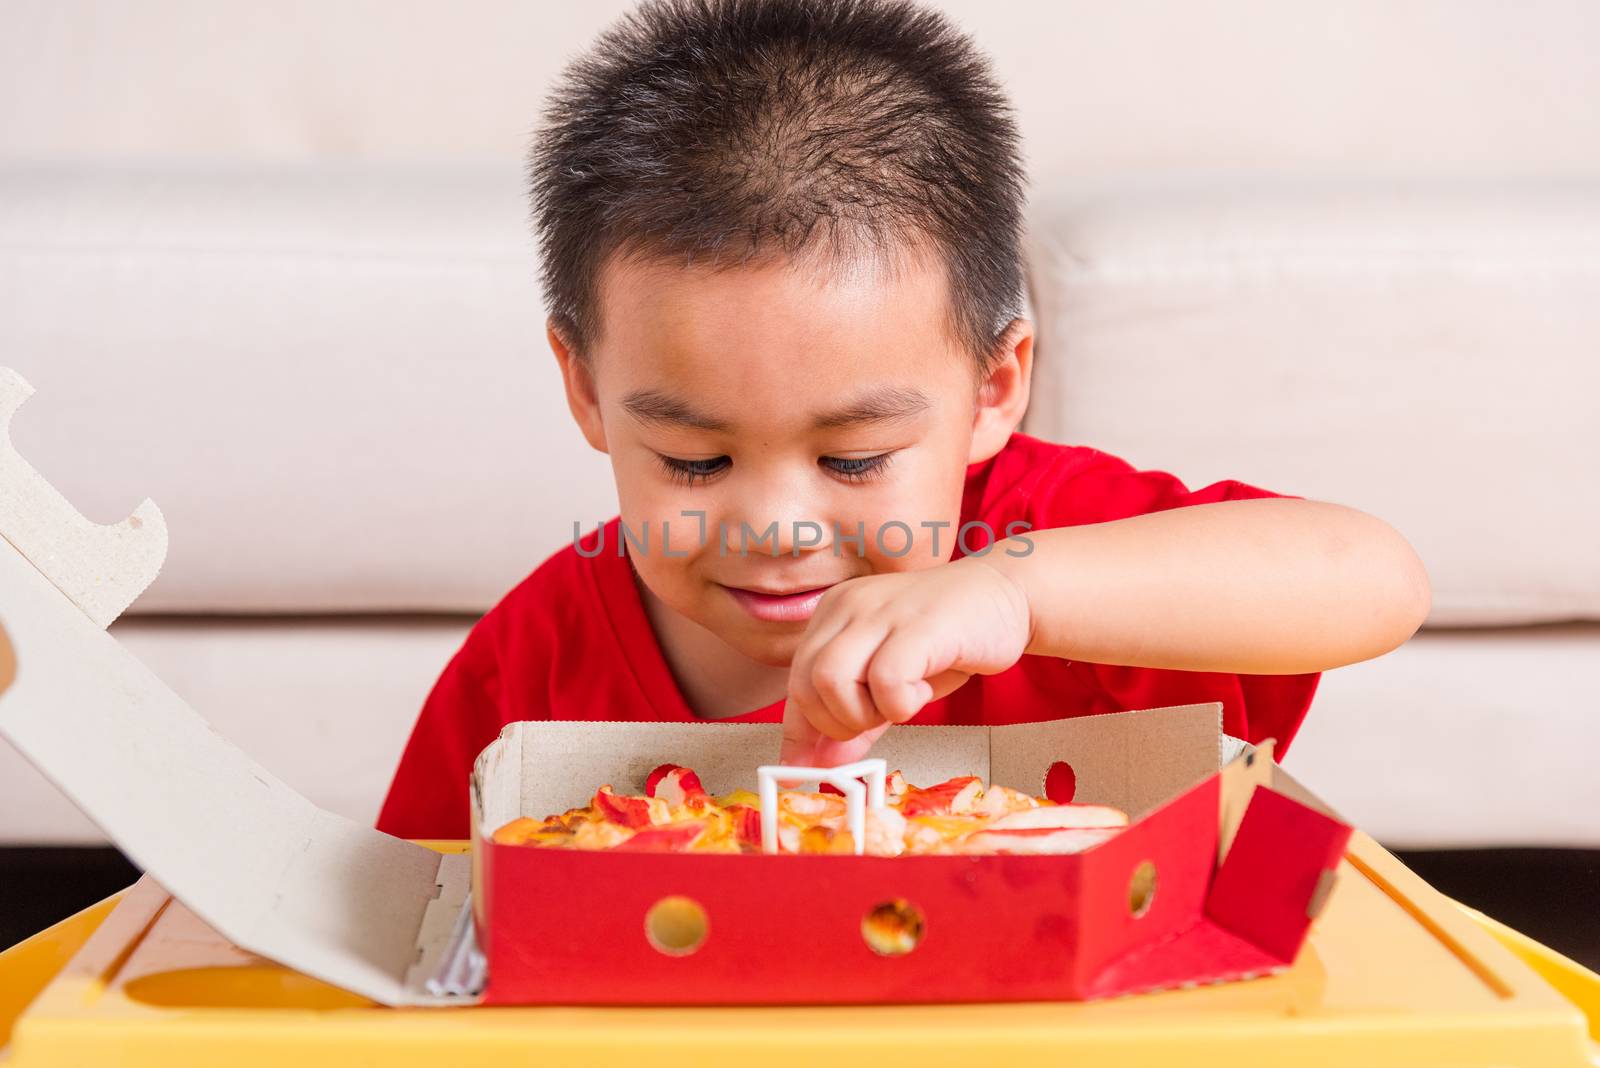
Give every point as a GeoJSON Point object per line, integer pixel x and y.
{"type": "Point", "coordinates": [1278, 586]}
{"type": "Point", "coordinates": [1270, 586]}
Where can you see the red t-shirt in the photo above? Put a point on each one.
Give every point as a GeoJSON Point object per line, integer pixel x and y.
{"type": "Point", "coordinates": [572, 641]}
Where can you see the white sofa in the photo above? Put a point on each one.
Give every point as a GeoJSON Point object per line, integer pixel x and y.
{"type": "Point", "coordinates": [269, 265]}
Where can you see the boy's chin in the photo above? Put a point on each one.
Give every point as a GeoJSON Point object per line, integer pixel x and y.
{"type": "Point", "coordinates": [775, 648]}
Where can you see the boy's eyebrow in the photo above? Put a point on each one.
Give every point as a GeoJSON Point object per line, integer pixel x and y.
{"type": "Point", "coordinates": [653, 406]}
{"type": "Point", "coordinates": [874, 406]}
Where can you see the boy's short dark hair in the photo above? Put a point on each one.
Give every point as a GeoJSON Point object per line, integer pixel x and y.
{"type": "Point", "coordinates": [699, 129]}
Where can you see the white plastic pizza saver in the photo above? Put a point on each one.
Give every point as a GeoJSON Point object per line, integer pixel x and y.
{"type": "Point", "coordinates": [847, 777]}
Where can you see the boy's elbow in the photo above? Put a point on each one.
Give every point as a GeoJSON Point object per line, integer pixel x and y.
{"type": "Point", "coordinates": [1386, 589]}
{"type": "Point", "coordinates": [1407, 594]}
{"type": "Point", "coordinates": [1417, 597]}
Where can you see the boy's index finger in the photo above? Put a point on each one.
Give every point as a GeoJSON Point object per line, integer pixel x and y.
{"type": "Point", "coordinates": [805, 746]}
{"type": "Point", "coordinates": [800, 738]}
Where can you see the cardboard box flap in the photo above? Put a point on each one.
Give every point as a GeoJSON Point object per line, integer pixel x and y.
{"type": "Point", "coordinates": [249, 855]}
{"type": "Point", "coordinates": [100, 568]}
{"type": "Point", "coordinates": [1277, 873]}
{"type": "Point", "coordinates": [1241, 774]}
{"type": "Point", "coordinates": [260, 863]}
{"type": "Point", "coordinates": [1133, 760]}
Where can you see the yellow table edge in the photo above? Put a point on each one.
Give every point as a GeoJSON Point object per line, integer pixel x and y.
{"type": "Point", "coordinates": [27, 968]}
{"type": "Point", "coordinates": [1572, 980]}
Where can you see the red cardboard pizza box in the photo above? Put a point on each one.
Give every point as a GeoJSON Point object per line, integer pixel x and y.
{"type": "Point", "coordinates": [1161, 904]}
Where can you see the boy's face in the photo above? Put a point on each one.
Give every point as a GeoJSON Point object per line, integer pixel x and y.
{"type": "Point", "coordinates": [777, 395]}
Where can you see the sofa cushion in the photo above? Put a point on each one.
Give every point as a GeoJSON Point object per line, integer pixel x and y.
{"type": "Point", "coordinates": [1462, 739]}
{"type": "Point", "coordinates": [1423, 352]}
{"type": "Point", "coordinates": [334, 381]}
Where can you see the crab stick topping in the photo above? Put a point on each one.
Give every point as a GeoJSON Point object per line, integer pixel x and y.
{"type": "Point", "coordinates": [676, 786]}
{"type": "Point", "coordinates": [623, 810]}
{"type": "Point", "coordinates": [953, 797]}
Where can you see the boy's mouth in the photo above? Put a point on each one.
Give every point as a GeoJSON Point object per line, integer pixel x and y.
{"type": "Point", "coordinates": [779, 606]}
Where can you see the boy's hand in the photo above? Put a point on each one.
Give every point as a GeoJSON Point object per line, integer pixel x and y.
{"type": "Point", "coordinates": [881, 647]}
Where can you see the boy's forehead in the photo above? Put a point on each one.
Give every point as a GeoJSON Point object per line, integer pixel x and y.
{"type": "Point", "coordinates": [812, 309]}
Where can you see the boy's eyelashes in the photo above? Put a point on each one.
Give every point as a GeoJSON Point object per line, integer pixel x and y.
{"type": "Point", "coordinates": [857, 470]}
{"type": "Point", "coordinates": [688, 472]}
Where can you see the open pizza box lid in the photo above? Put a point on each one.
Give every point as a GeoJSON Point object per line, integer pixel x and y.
{"type": "Point", "coordinates": [360, 909]}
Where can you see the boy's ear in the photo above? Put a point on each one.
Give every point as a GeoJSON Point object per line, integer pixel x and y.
{"type": "Point", "coordinates": [582, 398]}
{"type": "Point", "coordinates": [1003, 395]}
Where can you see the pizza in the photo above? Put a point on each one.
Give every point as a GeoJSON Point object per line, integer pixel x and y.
{"type": "Point", "coordinates": [958, 816]}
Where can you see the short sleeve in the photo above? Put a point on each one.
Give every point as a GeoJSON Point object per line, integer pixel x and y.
{"type": "Point", "coordinates": [428, 796]}
{"type": "Point", "coordinates": [1090, 486]}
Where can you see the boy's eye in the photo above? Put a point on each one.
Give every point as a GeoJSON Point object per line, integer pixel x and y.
{"type": "Point", "coordinates": [690, 471]}
{"type": "Point", "coordinates": [857, 470]}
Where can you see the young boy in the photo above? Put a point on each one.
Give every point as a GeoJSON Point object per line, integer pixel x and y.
{"type": "Point", "coordinates": [781, 259]}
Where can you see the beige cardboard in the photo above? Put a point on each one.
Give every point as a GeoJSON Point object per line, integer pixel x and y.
{"type": "Point", "coordinates": [101, 569]}
{"type": "Point", "coordinates": [1280, 781]}
{"type": "Point", "coordinates": [1239, 781]}
{"type": "Point", "coordinates": [1290, 787]}
{"type": "Point", "coordinates": [497, 782]}
{"type": "Point", "coordinates": [1132, 761]}
{"type": "Point", "coordinates": [433, 936]}
{"type": "Point", "coordinates": [954, 751]}
{"type": "Point", "coordinates": [261, 864]}
{"type": "Point", "coordinates": [280, 877]}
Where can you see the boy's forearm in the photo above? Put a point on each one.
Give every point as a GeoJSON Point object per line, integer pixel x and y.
{"type": "Point", "coordinates": [1273, 586]}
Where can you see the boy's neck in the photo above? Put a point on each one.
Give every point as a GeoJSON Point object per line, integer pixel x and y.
{"type": "Point", "coordinates": [716, 680]}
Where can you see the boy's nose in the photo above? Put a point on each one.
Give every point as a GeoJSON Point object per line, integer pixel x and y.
{"type": "Point", "coordinates": [783, 536]}
{"type": "Point", "coordinates": [779, 526]}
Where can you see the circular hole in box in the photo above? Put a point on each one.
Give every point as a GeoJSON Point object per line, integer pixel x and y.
{"type": "Point", "coordinates": [1142, 888]}
{"type": "Point", "coordinates": [677, 926]}
{"type": "Point", "coordinates": [1060, 783]}
{"type": "Point", "coordinates": [892, 928]}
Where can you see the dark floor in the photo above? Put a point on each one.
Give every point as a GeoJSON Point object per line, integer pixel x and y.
{"type": "Point", "coordinates": [39, 886]}
{"type": "Point", "coordinates": [1552, 895]}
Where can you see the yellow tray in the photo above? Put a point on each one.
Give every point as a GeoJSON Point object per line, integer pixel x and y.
{"type": "Point", "coordinates": [1394, 974]}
